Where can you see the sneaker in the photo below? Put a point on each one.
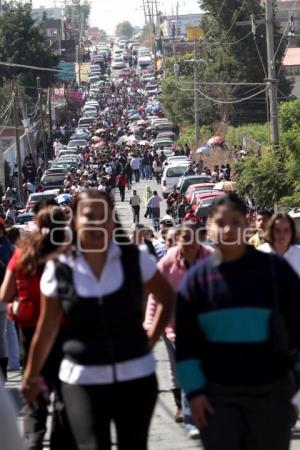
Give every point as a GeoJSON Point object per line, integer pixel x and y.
{"type": "Point", "coordinates": [179, 416]}
{"type": "Point", "coordinates": [194, 433]}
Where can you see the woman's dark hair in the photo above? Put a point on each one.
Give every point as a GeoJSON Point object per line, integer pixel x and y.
{"type": "Point", "coordinates": [13, 234]}
{"type": "Point", "coordinates": [50, 235]}
{"type": "Point", "coordinates": [269, 235]}
{"type": "Point", "coordinates": [91, 194]}
{"type": "Point", "coordinates": [231, 200]}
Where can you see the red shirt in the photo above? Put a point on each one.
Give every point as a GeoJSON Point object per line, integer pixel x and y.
{"type": "Point", "coordinates": [28, 288]}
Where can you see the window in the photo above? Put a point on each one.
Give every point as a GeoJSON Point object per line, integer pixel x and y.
{"type": "Point", "coordinates": [51, 32]}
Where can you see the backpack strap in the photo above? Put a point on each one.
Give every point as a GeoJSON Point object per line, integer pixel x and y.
{"type": "Point", "coordinates": [65, 283]}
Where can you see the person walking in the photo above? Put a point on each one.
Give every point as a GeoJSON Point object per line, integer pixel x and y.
{"type": "Point", "coordinates": [6, 252]}
{"type": "Point", "coordinates": [281, 237]}
{"type": "Point", "coordinates": [135, 164]}
{"type": "Point", "coordinates": [121, 183]}
{"type": "Point", "coordinates": [261, 223]}
{"type": "Point", "coordinates": [233, 362]}
{"type": "Point", "coordinates": [128, 174]}
{"type": "Point", "coordinates": [108, 371]}
{"type": "Point", "coordinates": [22, 281]}
{"type": "Point", "coordinates": [174, 265]}
{"type": "Point", "coordinates": [147, 195]}
{"type": "Point", "coordinates": [154, 206]}
{"type": "Point", "coordinates": [135, 202]}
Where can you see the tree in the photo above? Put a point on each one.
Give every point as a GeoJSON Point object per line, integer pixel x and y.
{"type": "Point", "coordinates": [234, 55]}
{"type": "Point", "coordinates": [22, 43]}
{"type": "Point", "coordinates": [125, 29]}
{"type": "Point", "coordinates": [274, 178]}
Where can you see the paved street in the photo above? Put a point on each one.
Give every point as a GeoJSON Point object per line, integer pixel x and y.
{"type": "Point", "coordinates": [164, 434]}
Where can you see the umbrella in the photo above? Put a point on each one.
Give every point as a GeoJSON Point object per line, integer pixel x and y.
{"type": "Point", "coordinates": [101, 82]}
{"type": "Point", "coordinates": [131, 138]}
{"type": "Point", "coordinates": [62, 198]}
{"type": "Point", "coordinates": [95, 139]}
{"type": "Point", "coordinates": [144, 143]}
{"type": "Point", "coordinates": [121, 140]}
{"type": "Point", "coordinates": [101, 130]}
{"type": "Point", "coordinates": [204, 149]}
{"type": "Point", "coordinates": [226, 186]}
{"type": "Point", "coordinates": [141, 122]}
{"type": "Point", "coordinates": [134, 116]}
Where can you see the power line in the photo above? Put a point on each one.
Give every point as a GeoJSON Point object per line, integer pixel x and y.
{"type": "Point", "coordinates": [230, 43]}
{"type": "Point", "coordinates": [23, 66]}
{"type": "Point", "coordinates": [236, 18]}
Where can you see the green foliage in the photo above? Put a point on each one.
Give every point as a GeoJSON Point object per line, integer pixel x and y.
{"type": "Point", "coordinates": [274, 178]}
{"type": "Point", "coordinates": [187, 135]}
{"type": "Point", "coordinates": [234, 57]}
{"type": "Point", "coordinates": [21, 42]}
{"type": "Point", "coordinates": [262, 180]}
{"type": "Point", "coordinates": [257, 132]}
{"type": "Point", "coordinates": [124, 29]}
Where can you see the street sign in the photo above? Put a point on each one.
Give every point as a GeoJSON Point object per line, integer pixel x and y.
{"type": "Point", "coordinates": [194, 33]}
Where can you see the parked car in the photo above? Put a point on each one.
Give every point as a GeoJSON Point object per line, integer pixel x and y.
{"type": "Point", "coordinates": [171, 175]}
{"type": "Point", "coordinates": [200, 187]}
{"type": "Point", "coordinates": [38, 197]}
{"type": "Point", "coordinates": [118, 63]}
{"type": "Point", "coordinates": [177, 159]}
{"type": "Point", "coordinates": [86, 122]}
{"type": "Point", "coordinates": [157, 143]}
{"type": "Point", "coordinates": [74, 144]}
{"type": "Point", "coordinates": [185, 182]}
{"type": "Point", "coordinates": [53, 181]}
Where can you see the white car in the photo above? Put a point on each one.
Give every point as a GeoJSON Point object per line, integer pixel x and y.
{"type": "Point", "coordinates": [144, 61]}
{"type": "Point", "coordinates": [177, 159]}
{"type": "Point", "coordinates": [81, 143]}
{"type": "Point", "coordinates": [171, 175]}
{"type": "Point", "coordinates": [118, 64]}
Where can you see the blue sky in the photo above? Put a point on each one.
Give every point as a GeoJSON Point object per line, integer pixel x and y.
{"type": "Point", "coordinates": [107, 14]}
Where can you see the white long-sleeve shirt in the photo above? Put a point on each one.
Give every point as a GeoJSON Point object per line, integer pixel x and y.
{"type": "Point", "coordinates": [135, 163]}
{"type": "Point", "coordinates": [154, 201]}
{"type": "Point", "coordinates": [292, 256]}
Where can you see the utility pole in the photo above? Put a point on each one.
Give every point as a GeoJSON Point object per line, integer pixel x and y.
{"type": "Point", "coordinates": [196, 61]}
{"type": "Point", "coordinates": [177, 18]}
{"type": "Point", "coordinates": [38, 81]}
{"type": "Point", "coordinates": [196, 98]}
{"type": "Point", "coordinates": [27, 125]}
{"type": "Point", "coordinates": [272, 80]}
{"type": "Point", "coordinates": [50, 116]}
{"type": "Point", "coordinates": [18, 147]}
{"type": "Point", "coordinates": [145, 12]}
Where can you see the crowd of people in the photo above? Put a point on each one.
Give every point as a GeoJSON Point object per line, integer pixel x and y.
{"type": "Point", "coordinates": [89, 302]}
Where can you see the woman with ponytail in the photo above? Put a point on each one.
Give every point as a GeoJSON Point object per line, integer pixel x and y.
{"type": "Point", "coordinates": [22, 282]}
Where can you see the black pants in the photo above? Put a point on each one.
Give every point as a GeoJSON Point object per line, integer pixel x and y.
{"type": "Point", "coordinates": [122, 192]}
{"type": "Point", "coordinates": [136, 213]}
{"type": "Point", "coordinates": [258, 418]}
{"type": "Point", "coordinates": [90, 409]}
{"type": "Point", "coordinates": [35, 415]}
{"type": "Point", "coordinates": [137, 175]}
{"type": "Point", "coordinates": [129, 179]}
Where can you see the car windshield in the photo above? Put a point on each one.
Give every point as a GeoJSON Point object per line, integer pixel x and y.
{"type": "Point", "coordinates": [175, 171]}
{"type": "Point", "coordinates": [51, 179]}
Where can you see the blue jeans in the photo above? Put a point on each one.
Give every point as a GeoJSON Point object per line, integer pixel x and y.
{"type": "Point", "coordinates": [12, 344]}
{"type": "Point", "coordinates": [142, 172]}
{"type": "Point", "coordinates": [148, 171]}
